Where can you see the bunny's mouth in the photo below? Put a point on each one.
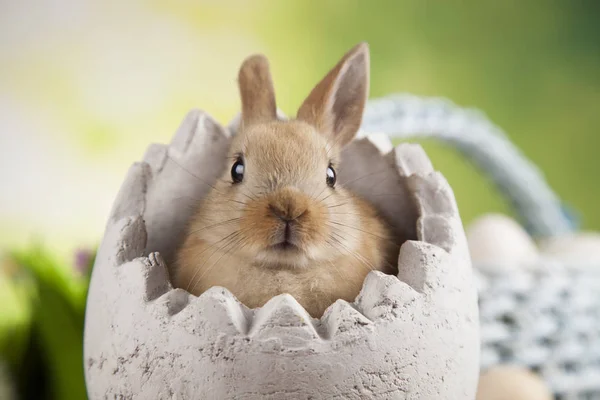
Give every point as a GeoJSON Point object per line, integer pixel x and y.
{"type": "Point", "coordinates": [286, 252]}
{"type": "Point", "coordinates": [285, 246]}
{"type": "Point", "coordinates": [285, 238]}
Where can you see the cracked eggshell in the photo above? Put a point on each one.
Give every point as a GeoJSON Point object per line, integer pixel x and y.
{"type": "Point", "coordinates": [497, 243]}
{"type": "Point", "coordinates": [414, 336]}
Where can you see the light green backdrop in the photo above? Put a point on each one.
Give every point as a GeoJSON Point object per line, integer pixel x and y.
{"type": "Point", "coordinates": [90, 85]}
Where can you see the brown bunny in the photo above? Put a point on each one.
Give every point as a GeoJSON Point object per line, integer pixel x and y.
{"type": "Point", "coordinates": [276, 222]}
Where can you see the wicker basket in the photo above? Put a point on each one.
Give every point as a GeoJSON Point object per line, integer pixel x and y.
{"type": "Point", "coordinates": [546, 316]}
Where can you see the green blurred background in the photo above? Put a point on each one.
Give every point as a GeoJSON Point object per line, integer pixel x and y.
{"type": "Point", "coordinates": [85, 86]}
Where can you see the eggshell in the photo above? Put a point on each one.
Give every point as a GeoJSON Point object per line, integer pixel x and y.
{"type": "Point", "coordinates": [381, 141]}
{"type": "Point", "coordinates": [512, 383]}
{"type": "Point", "coordinates": [581, 249]}
{"type": "Point", "coordinates": [414, 335]}
{"type": "Point", "coordinates": [498, 242]}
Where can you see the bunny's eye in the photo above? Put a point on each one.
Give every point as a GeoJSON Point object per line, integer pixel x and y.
{"type": "Point", "coordinates": [237, 171]}
{"type": "Point", "coordinates": [331, 176]}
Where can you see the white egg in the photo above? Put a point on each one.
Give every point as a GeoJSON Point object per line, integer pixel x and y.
{"type": "Point", "coordinates": [512, 383]}
{"type": "Point", "coordinates": [497, 242]}
{"type": "Point", "coordinates": [577, 250]}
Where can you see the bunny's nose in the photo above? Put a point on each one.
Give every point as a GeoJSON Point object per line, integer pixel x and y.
{"type": "Point", "coordinates": [285, 214]}
{"type": "Point", "coordinates": [288, 204]}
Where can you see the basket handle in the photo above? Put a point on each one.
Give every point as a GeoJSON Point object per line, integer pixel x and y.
{"type": "Point", "coordinates": [484, 144]}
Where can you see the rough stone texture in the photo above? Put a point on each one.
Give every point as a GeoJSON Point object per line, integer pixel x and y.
{"type": "Point", "coordinates": [414, 336]}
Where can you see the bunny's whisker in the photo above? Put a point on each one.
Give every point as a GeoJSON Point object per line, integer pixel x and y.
{"type": "Point", "coordinates": [200, 200]}
{"type": "Point", "coordinates": [357, 256]}
{"type": "Point", "coordinates": [325, 198]}
{"type": "Point", "coordinates": [231, 220]}
{"type": "Point", "coordinates": [372, 185]}
{"type": "Point", "coordinates": [338, 205]}
{"type": "Point", "coordinates": [231, 243]}
{"type": "Point", "coordinates": [231, 240]}
{"type": "Point", "coordinates": [331, 263]}
{"type": "Point", "coordinates": [197, 256]}
{"type": "Point", "coordinates": [345, 184]}
{"type": "Point", "coordinates": [252, 196]}
{"type": "Point", "coordinates": [190, 172]}
{"type": "Point", "coordinates": [388, 195]}
{"type": "Point", "coordinates": [367, 232]}
{"type": "Point", "coordinates": [344, 213]}
{"type": "Point", "coordinates": [340, 233]}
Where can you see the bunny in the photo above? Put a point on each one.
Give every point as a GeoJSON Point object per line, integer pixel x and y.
{"type": "Point", "coordinates": [276, 222]}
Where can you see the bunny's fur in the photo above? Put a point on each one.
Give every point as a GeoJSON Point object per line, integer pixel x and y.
{"type": "Point", "coordinates": [282, 229]}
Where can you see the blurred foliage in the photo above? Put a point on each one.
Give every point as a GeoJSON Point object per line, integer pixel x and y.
{"type": "Point", "coordinates": [41, 329]}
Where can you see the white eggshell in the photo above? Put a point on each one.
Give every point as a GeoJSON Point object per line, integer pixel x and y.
{"type": "Point", "coordinates": [512, 383]}
{"type": "Point", "coordinates": [382, 142]}
{"type": "Point", "coordinates": [498, 242]}
{"type": "Point", "coordinates": [580, 249]}
{"type": "Point", "coordinates": [416, 337]}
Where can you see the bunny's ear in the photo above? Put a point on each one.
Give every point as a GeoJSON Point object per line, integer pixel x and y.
{"type": "Point", "coordinates": [256, 90]}
{"type": "Point", "coordinates": [335, 106]}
